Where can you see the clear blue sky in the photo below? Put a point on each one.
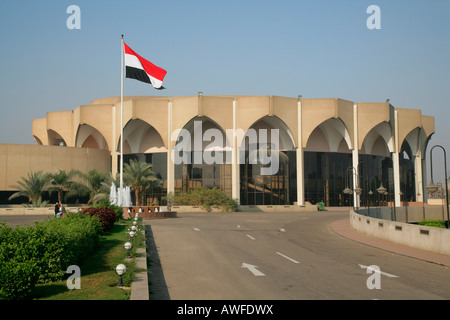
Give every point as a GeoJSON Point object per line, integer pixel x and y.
{"type": "Point", "coordinates": [318, 49]}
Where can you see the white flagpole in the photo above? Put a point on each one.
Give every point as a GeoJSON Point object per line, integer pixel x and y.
{"type": "Point", "coordinates": [121, 118]}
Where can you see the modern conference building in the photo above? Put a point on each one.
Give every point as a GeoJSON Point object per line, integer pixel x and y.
{"type": "Point", "coordinates": [322, 146]}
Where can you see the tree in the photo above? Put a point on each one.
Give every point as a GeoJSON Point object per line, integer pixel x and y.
{"type": "Point", "coordinates": [33, 187]}
{"type": "Point", "coordinates": [62, 181]}
{"type": "Point", "coordinates": [91, 185]}
{"type": "Point", "coordinates": [138, 176]}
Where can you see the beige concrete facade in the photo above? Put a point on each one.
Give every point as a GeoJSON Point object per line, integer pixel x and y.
{"type": "Point", "coordinates": [16, 160]}
{"type": "Point", "coordinates": [321, 124]}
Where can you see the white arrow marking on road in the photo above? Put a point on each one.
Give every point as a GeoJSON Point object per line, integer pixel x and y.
{"type": "Point", "coordinates": [285, 256]}
{"type": "Point", "coordinates": [253, 269]}
{"type": "Point", "coordinates": [250, 237]}
{"type": "Point", "coordinates": [381, 272]}
{"type": "Point", "coordinates": [196, 229]}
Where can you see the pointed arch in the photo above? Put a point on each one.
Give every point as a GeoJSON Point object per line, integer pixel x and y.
{"type": "Point", "coordinates": [329, 136]}
{"type": "Point", "coordinates": [286, 139]}
{"type": "Point", "coordinates": [55, 139]}
{"type": "Point", "coordinates": [141, 137]}
{"type": "Point", "coordinates": [379, 140]}
{"type": "Point", "coordinates": [89, 137]}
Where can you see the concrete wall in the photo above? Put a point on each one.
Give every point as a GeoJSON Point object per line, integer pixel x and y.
{"type": "Point", "coordinates": [17, 160]}
{"type": "Point", "coordinates": [415, 236]}
{"type": "Point", "coordinates": [17, 210]}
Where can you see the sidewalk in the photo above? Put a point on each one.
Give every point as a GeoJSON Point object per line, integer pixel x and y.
{"type": "Point", "coordinates": [343, 228]}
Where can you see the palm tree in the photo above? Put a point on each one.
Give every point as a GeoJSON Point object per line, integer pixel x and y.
{"type": "Point", "coordinates": [32, 188]}
{"type": "Point", "coordinates": [63, 181]}
{"type": "Point", "coordinates": [105, 188]}
{"type": "Point", "coordinates": [91, 184]}
{"type": "Point", "coordinates": [139, 176]}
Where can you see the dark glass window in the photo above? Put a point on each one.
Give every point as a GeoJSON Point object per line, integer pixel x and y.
{"type": "Point", "coordinates": [156, 192]}
{"type": "Point", "coordinates": [191, 176]}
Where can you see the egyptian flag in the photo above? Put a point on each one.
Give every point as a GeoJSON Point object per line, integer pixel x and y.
{"type": "Point", "coordinates": [140, 69]}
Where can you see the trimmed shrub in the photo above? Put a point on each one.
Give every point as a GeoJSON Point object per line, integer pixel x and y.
{"type": "Point", "coordinates": [433, 223]}
{"type": "Point", "coordinates": [18, 277]}
{"type": "Point", "coordinates": [106, 216]}
{"type": "Point", "coordinates": [105, 203]}
{"type": "Point", "coordinates": [42, 253]}
{"type": "Point", "coordinates": [207, 198]}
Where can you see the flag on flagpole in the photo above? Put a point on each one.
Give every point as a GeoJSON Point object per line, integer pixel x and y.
{"type": "Point", "coordinates": [143, 70]}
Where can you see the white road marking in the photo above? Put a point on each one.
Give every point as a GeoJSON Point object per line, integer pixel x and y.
{"type": "Point", "coordinates": [285, 256]}
{"type": "Point", "coordinates": [381, 272]}
{"type": "Point", "coordinates": [253, 269]}
{"type": "Point", "coordinates": [250, 237]}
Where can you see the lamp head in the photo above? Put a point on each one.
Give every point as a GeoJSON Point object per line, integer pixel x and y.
{"type": "Point", "coordinates": [347, 190]}
{"type": "Point", "coordinates": [382, 190]}
{"type": "Point", "coordinates": [121, 269]}
{"type": "Point", "coordinates": [432, 188]}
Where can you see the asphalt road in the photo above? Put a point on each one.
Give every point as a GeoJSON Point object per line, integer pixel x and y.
{"type": "Point", "coordinates": [279, 256]}
{"type": "Point", "coordinates": [23, 220]}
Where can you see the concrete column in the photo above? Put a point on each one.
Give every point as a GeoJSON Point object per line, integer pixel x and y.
{"type": "Point", "coordinates": [396, 163]}
{"type": "Point", "coordinates": [424, 178]}
{"type": "Point", "coordinates": [300, 162]}
{"type": "Point", "coordinates": [235, 173]}
{"type": "Point", "coordinates": [170, 164]}
{"type": "Point", "coordinates": [355, 158]}
{"type": "Point", "coordinates": [419, 183]}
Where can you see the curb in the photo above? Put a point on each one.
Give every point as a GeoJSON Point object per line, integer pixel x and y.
{"type": "Point", "coordinates": [344, 229]}
{"type": "Point", "coordinates": [139, 285]}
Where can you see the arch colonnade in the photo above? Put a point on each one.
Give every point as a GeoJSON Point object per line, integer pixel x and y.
{"type": "Point", "coordinates": [318, 128]}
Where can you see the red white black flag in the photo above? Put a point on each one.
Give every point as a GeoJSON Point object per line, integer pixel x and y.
{"type": "Point", "coordinates": [140, 69]}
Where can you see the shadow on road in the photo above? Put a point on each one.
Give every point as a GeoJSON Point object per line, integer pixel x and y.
{"type": "Point", "coordinates": [157, 283]}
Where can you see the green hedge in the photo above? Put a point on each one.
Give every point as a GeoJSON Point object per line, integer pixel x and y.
{"type": "Point", "coordinates": [433, 223]}
{"type": "Point", "coordinates": [207, 198]}
{"type": "Point", "coordinates": [42, 253]}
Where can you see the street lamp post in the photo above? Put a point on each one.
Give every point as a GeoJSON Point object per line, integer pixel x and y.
{"type": "Point", "coordinates": [120, 270]}
{"type": "Point", "coordinates": [356, 189]}
{"type": "Point", "coordinates": [369, 194]}
{"type": "Point", "coordinates": [127, 247]}
{"type": "Point", "coordinates": [432, 188]}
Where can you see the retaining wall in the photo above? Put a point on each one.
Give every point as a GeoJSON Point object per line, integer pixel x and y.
{"type": "Point", "coordinates": [426, 238]}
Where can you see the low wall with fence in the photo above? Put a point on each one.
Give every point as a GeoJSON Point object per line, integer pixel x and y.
{"type": "Point", "coordinates": [406, 214]}
{"type": "Point", "coordinates": [416, 236]}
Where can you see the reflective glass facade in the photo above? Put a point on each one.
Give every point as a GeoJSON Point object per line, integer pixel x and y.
{"type": "Point", "coordinates": [155, 193]}
{"type": "Point", "coordinates": [257, 189]}
{"type": "Point", "coordinates": [190, 176]}
{"type": "Point", "coordinates": [326, 174]}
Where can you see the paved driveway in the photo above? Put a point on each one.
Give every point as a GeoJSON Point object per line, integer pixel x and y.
{"type": "Point", "coordinates": [281, 256]}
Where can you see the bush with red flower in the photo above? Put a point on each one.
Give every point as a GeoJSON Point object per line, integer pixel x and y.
{"type": "Point", "coordinates": [106, 216]}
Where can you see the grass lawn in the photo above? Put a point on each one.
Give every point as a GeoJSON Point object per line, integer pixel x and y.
{"type": "Point", "coordinates": [98, 276]}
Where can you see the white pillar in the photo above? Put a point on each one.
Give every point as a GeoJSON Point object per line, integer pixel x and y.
{"type": "Point", "coordinates": [418, 177]}
{"type": "Point", "coordinates": [170, 164]}
{"type": "Point", "coordinates": [355, 158]}
{"type": "Point", "coordinates": [235, 173]}
{"type": "Point", "coordinates": [396, 163]}
{"type": "Point", "coordinates": [424, 178]}
{"type": "Point", "coordinates": [300, 162]}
